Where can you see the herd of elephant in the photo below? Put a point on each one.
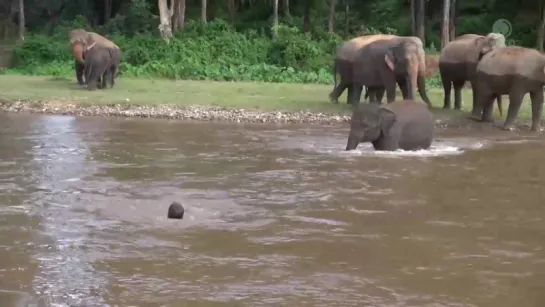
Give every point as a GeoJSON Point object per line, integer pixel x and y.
{"type": "Point", "coordinates": [379, 62]}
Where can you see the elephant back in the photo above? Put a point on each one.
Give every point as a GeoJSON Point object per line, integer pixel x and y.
{"type": "Point", "coordinates": [514, 60]}
{"type": "Point", "coordinates": [80, 36]}
{"type": "Point", "coordinates": [349, 49]}
{"type": "Point", "coordinates": [468, 48]}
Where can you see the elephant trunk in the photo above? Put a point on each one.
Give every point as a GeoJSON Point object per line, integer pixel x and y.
{"type": "Point", "coordinates": [353, 142]}
{"type": "Point", "coordinates": [422, 89]}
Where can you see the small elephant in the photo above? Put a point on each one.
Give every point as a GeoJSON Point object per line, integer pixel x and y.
{"type": "Point", "coordinates": [458, 61]}
{"type": "Point", "coordinates": [78, 41]}
{"type": "Point", "coordinates": [404, 124]}
{"type": "Point", "coordinates": [344, 62]}
{"type": "Point", "coordinates": [513, 71]}
{"type": "Point", "coordinates": [100, 64]}
{"type": "Point", "coordinates": [384, 63]}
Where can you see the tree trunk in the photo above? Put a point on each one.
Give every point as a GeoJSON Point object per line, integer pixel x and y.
{"type": "Point", "coordinates": [306, 18]}
{"type": "Point", "coordinates": [452, 19]}
{"type": "Point", "coordinates": [332, 4]}
{"type": "Point", "coordinates": [413, 17]}
{"type": "Point", "coordinates": [541, 28]}
{"type": "Point", "coordinates": [165, 16]}
{"type": "Point", "coordinates": [346, 12]}
{"type": "Point", "coordinates": [232, 12]}
{"type": "Point", "coordinates": [178, 17]}
{"type": "Point", "coordinates": [21, 20]}
{"type": "Point", "coordinates": [107, 10]}
{"type": "Point", "coordinates": [445, 24]}
{"type": "Point", "coordinates": [275, 14]}
{"type": "Point", "coordinates": [420, 20]}
{"type": "Point", "coordinates": [287, 8]}
{"type": "Point", "coordinates": [203, 11]}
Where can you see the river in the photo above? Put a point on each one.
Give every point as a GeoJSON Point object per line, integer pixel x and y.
{"type": "Point", "coordinates": [275, 216]}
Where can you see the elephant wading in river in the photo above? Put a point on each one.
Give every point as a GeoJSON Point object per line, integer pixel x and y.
{"type": "Point", "coordinates": [513, 71]}
{"type": "Point", "coordinates": [78, 40]}
{"type": "Point", "coordinates": [458, 61]}
{"type": "Point", "coordinates": [383, 63]}
{"type": "Point", "coordinates": [100, 64]}
{"type": "Point", "coordinates": [344, 62]}
{"type": "Point", "coordinates": [405, 124]}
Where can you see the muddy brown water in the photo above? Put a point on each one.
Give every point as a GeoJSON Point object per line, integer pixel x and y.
{"type": "Point", "coordinates": [275, 216]}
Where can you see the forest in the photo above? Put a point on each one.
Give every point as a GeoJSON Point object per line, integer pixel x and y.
{"type": "Point", "coordinates": [245, 40]}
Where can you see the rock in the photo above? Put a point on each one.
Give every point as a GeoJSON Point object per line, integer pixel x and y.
{"type": "Point", "coordinates": [176, 211]}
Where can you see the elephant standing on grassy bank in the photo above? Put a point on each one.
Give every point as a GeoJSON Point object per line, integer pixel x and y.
{"type": "Point", "coordinates": [100, 64]}
{"type": "Point", "coordinates": [384, 63]}
{"type": "Point", "coordinates": [78, 42]}
{"type": "Point", "coordinates": [406, 125]}
{"type": "Point", "coordinates": [344, 62]}
{"type": "Point", "coordinates": [458, 61]}
{"type": "Point", "coordinates": [513, 71]}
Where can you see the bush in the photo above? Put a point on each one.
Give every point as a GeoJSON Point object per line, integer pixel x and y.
{"type": "Point", "coordinates": [212, 51]}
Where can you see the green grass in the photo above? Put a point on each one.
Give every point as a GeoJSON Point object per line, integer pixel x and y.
{"type": "Point", "coordinates": [242, 95]}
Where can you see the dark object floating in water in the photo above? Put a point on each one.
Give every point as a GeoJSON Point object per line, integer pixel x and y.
{"type": "Point", "coordinates": [176, 211]}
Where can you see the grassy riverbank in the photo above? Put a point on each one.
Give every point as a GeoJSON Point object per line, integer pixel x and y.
{"type": "Point", "coordinates": [230, 95]}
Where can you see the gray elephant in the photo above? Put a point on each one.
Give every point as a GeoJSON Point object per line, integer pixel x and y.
{"type": "Point", "coordinates": [100, 65]}
{"type": "Point", "coordinates": [78, 41]}
{"type": "Point", "coordinates": [344, 62]}
{"type": "Point", "coordinates": [383, 63]}
{"type": "Point", "coordinates": [405, 124]}
{"type": "Point", "coordinates": [458, 61]}
{"type": "Point", "coordinates": [513, 71]}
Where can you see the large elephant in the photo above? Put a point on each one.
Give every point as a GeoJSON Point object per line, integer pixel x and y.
{"type": "Point", "coordinates": [458, 61]}
{"type": "Point", "coordinates": [78, 40]}
{"type": "Point", "coordinates": [383, 63]}
{"type": "Point", "coordinates": [100, 64]}
{"type": "Point", "coordinates": [432, 68]}
{"type": "Point", "coordinates": [513, 71]}
{"type": "Point", "coordinates": [344, 62]}
{"type": "Point", "coordinates": [405, 124]}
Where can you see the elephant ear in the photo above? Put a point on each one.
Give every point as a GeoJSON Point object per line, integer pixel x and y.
{"type": "Point", "coordinates": [387, 120]}
{"type": "Point", "coordinates": [389, 59]}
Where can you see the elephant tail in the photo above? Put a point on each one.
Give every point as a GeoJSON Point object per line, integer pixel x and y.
{"type": "Point", "coordinates": [500, 108]}
{"type": "Point", "coordinates": [335, 68]}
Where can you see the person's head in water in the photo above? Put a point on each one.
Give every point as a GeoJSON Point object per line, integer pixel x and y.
{"type": "Point", "coordinates": [176, 211]}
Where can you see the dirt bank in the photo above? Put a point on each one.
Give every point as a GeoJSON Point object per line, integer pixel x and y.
{"type": "Point", "coordinates": [444, 118]}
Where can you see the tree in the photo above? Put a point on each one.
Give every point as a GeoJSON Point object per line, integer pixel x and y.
{"type": "Point", "coordinates": [452, 19]}
{"type": "Point", "coordinates": [178, 18]}
{"type": "Point", "coordinates": [286, 8]}
{"type": "Point", "coordinates": [165, 16]}
{"type": "Point", "coordinates": [275, 14]}
{"type": "Point", "coordinates": [541, 27]}
{"type": "Point", "coordinates": [445, 24]}
{"type": "Point", "coordinates": [21, 20]}
{"type": "Point", "coordinates": [203, 11]}
{"type": "Point", "coordinates": [331, 25]}
{"type": "Point", "coordinates": [418, 9]}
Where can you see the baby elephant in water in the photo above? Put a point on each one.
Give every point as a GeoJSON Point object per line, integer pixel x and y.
{"type": "Point", "coordinates": [405, 124]}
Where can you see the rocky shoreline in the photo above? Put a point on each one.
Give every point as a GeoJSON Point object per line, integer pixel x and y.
{"type": "Point", "coordinates": [456, 120]}
{"type": "Point", "coordinates": [196, 112]}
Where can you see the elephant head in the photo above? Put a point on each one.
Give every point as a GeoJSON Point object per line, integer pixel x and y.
{"type": "Point", "coordinates": [404, 60]}
{"type": "Point", "coordinates": [369, 122]}
{"type": "Point", "coordinates": [487, 43]}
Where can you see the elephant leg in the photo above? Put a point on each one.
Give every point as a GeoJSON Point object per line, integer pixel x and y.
{"type": "Point", "coordinates": [537, 108]}
{"type": "Point", "coordinates": [447, 87]}
{"type": "Point", "coordinates": [475, 91]}
{"type": "Point", "coordinates": [356, 94]}
{"type": "Point", "coordinates": [403, 85]}
{"type": "Point", "coordinates": [380, 94]}
{"type": "Point", "coordinates": [458, 85]}
{"type": "Point", "coordinates": [373, 94]}
{"type": "Point", "coordinates": [349, 94]}
{"type": "Point", "coordinates": [481, 97]}
{"type": "Point", "coordinates": [79, 67]}
{"type": "Point", "coordinates": [391, 93]}
{"type": "Point", "coordinates": [515, 101]}
{"type": "Point", "coordinates": [488, 109]}
{"type": "Point", "coordinates": [337, 91]}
